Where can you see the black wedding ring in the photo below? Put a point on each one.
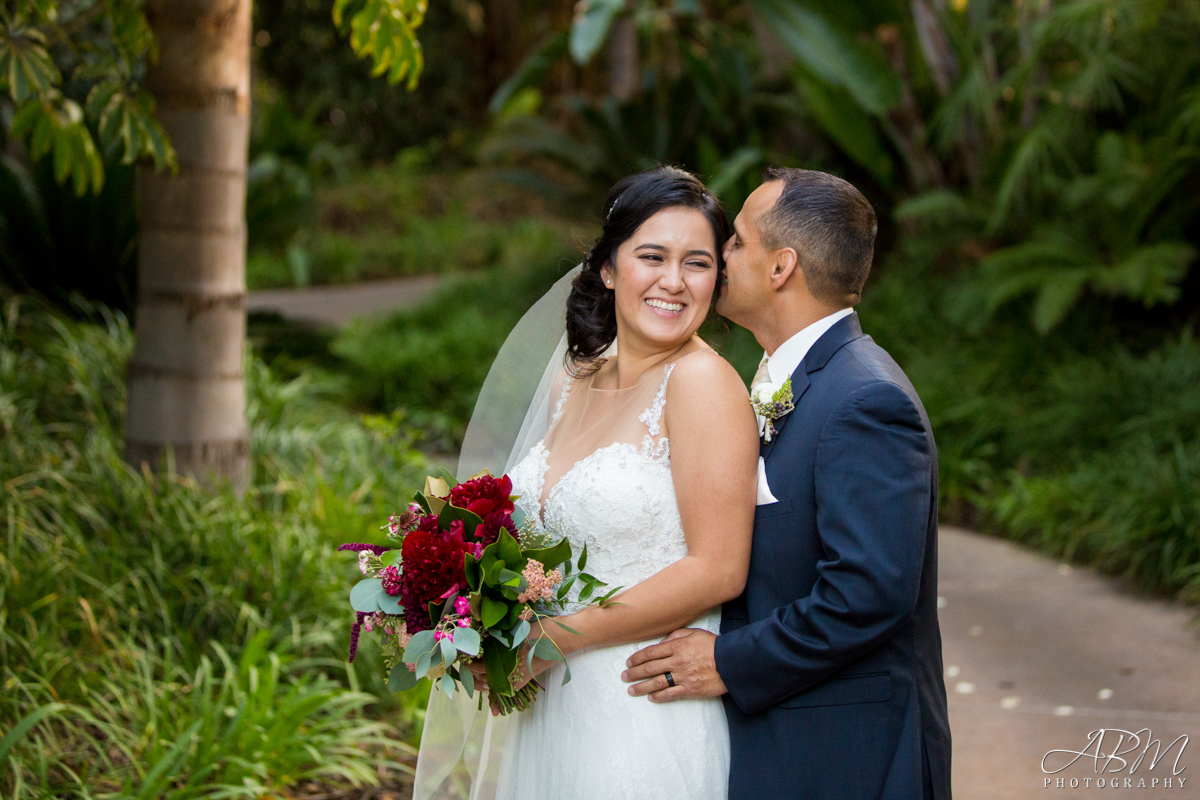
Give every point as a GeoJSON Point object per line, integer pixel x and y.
{"type": "Point", "coordinates": [670, 680]}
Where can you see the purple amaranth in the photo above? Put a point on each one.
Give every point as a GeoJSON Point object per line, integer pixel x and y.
{"type": "Point", "coordinates": [354, 631]}
{"type": "Point", "coordinates": [377, 549]}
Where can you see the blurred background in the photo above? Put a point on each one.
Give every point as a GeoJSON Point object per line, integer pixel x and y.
{"type": "Point", "coordinates": [1035, 165]}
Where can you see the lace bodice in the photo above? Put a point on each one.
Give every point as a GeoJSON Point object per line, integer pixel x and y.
{"type": "Point", "coordinates": [619, 501]}
{"type": "Point", "coordinates": [589, 740]}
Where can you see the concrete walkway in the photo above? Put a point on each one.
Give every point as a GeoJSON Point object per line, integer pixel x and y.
{"type": "Point", "coordinates": [1039, 655]}
{"type": "Point", "coordinates": [337, 305]}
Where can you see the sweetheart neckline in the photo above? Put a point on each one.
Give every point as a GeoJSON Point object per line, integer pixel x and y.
{"type": "Point", "coordinates": [540, 509]}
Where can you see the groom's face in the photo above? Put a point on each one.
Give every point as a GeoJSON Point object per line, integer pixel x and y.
{"type": "Point", "coordinates": [747, 261]}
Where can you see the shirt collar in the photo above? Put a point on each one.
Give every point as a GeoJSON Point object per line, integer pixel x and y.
{"type": "Point", "coordinates": [787, 356]}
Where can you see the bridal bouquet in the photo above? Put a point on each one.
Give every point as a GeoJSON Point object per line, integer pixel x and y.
{"type": "Point", "coordinates": [464, 581]}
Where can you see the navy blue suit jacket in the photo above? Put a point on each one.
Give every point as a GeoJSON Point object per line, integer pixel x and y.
{"type": "Point", "coordinates": [833, 656]}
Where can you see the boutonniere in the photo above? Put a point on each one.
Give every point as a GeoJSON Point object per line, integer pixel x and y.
{"type": "Point", "coordinates": [771, 403]}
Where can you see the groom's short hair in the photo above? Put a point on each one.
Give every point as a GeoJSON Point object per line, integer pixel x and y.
{"type": "Point", "coordinates": [830, 225]}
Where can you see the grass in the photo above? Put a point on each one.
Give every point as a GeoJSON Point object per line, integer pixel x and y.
{"type": "Point", "coordinates": [162, 640]}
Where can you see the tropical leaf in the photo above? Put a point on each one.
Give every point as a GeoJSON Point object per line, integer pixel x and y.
{"type": "Point", "coordinates": [833, 54]}
{"type": "Point", "coordinates": [846, 123]}
{"type": "Point", "coordinates": [590, 27]}
{"type": "Point", "coordinates": [532, 70]}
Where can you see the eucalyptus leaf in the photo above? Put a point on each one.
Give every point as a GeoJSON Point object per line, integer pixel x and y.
{"type": "Point", "coordinates": [520, 632]}
{"type": "Point", "coordinates": [401, 678]}
{"type": "Point", "coordinates": [364, 597]}
{"type": "Point", "coordinates": [468, 681]}
{"type": "Point", "coordinates": [466, 640]}
{"type": "Point", "coordinates": [566, 627]}
{"type": "Point", "coordinates": [448, 652]}
{"type": "Point", "coordinates": [419, 644]}
{"type": "Point", "coordinates": [424, 663]}
{"type": "Point", "coordinates": [390, 604]}
{"type": "Point", "coordinates": [448, 685]}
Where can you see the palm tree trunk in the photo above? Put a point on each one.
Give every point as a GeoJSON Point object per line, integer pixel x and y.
{"type": "Point", "coordinates": [186, 378]}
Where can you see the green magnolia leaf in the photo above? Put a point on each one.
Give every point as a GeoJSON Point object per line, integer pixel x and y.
{"type": "Point", "coordinates": [508, 550]}
{"type": "Point", "coordinates": [499, 662]}
{"type": "Point", "coordinates": [493, 612]}
{"type": "Point", "coordinates": [401, 678]}
{"type": "Point", "coordinates": [466, 640]}
{"type": "Point", "coordinates": [590, 27]}
{"type": "Point", "coordinates": [491, 576]}
{"type": "Point", "coordinates": [447, 476]}
{"type": "Point", "coordinates": [472, 571]}
{"type": "Point", "coordinates": [365, 595]}
{"type": "Point", "coordinates": [420, 499]}
{"type": "Point", "coordinates": [390, 558]}
{"type": "Point", "coordinates": [509, 578]}
{"type": "Point", "coordinates": [550, 557]}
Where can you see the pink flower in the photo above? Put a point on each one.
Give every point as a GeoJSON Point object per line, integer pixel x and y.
{"type": "Point", "coordinates": [540, 583]}
{"type": "Point", "coordinates": [439, 635]}
{"type": "Point", "coordinates": [462, 606]}
{"type": "Point", "coordinates": [464, 623]}
{"type": "Point", "coordinates": [391, 580]}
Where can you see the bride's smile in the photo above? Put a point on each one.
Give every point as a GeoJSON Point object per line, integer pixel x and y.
{"type": "Point", "coordinates": [663, 280]}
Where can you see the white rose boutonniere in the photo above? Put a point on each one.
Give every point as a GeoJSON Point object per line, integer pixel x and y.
{"type": "Point", "coordinates": [771, 402]}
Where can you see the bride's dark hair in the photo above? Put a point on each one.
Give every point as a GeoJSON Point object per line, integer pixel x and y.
{"type": "Point", "coordinates": [591, 307]}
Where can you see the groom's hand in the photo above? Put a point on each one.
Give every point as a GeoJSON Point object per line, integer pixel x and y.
{"type": "Point", "coordinates": [688, 655]}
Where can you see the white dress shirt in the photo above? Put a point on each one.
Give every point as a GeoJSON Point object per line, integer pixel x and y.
{"type": "Point", "coordinates": [783, 362]}
{"type": "Point", "coordinates": [780, 366]}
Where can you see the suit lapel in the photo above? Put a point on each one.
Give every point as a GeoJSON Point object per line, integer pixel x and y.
{"type": "Point", "coordinates": [843, 332]}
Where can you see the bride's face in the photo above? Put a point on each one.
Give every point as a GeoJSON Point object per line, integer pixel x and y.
{"type": "Point", "coordinates": [664, 277]}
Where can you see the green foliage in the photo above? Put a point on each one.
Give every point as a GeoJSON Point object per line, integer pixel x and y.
{"type": "Point", "coordinates": [103, 52]}
{"type": "Point", "coordinates": [434, 359]}
{"type": "Point", "coordinates": [161, 640]}
{"type": "Point", "coordinates": [386, 30]}
{"type": "Point", "coordinates": [1075, 443]}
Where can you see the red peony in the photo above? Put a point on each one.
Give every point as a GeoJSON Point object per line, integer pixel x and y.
{"type": "Point", "coordinates": [483, 495]}
{"type": "Point", "coordinates": [493, 523]}
{"type": "Point", "coordinates": [433, 566]}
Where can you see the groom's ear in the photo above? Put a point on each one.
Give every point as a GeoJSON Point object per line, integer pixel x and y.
{"type": "Point", "coordinates": [786, 261]}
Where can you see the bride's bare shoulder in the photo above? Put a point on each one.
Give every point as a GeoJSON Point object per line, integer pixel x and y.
{"type": "Point", "coordinates": [704, 369]}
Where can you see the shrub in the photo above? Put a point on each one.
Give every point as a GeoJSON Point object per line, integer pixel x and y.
{"type": "Point", "coordinates": [162, 640]}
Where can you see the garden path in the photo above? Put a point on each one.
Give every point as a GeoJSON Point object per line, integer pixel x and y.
{"type": "Point", "coordinates": [1040, 654]}
{"type": "Point", "coordinates": [337, 305]}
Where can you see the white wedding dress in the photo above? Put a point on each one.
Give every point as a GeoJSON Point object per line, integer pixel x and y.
{"type": "Point", "coordinates": [590, 740]}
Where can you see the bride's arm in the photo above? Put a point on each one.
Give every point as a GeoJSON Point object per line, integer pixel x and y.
{"type": "Point", "coordinates": [714, 461]}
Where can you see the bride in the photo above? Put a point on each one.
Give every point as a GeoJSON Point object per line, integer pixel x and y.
{"type": "Point", "coordinates": [649, 459]}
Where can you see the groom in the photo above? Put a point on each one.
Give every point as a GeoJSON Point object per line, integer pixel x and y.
{"type": "Point", "coordinates": [830, 662]}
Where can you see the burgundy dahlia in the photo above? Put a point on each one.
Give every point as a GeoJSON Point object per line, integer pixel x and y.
{"type": "Point", "coordinates": [493, 523]}
{"type": "Point", "coordinates": [483, 495]}
{"type": "Point", "coordinates": [433, 566]}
